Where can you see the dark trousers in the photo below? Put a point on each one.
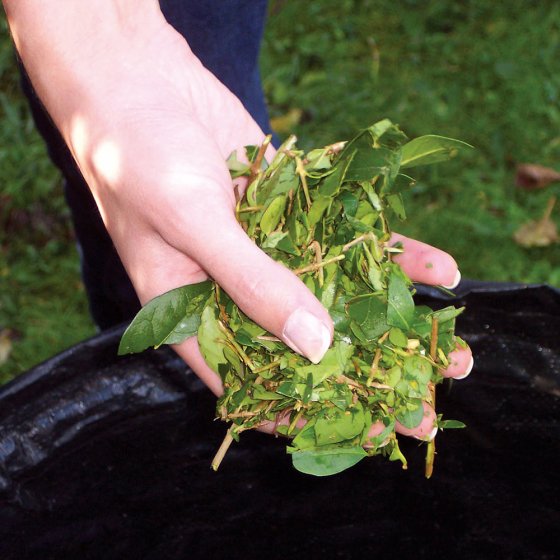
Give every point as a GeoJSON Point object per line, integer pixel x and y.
{"type": "Point", "coordinates": [225, 35]}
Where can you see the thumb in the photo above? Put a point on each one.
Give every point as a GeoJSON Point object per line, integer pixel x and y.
{"type": "Point", "coordinates": [268, 292]}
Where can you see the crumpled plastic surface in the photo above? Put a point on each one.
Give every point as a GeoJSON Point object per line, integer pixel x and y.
{"type": "Point", "coordinates": [104, 457]}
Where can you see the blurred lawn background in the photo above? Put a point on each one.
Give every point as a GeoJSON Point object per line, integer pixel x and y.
{"type": "Point", "coordinates": [485, 72]}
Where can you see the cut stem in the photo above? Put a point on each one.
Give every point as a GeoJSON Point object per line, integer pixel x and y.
{"type": "Point", "coordinates": [317, 266]}
{"type": "Point", "coordinates": [218, 458]}
{"type": "Point", "coordinates": [318, 260]}
{"type": "Point", "coordinates": [256, 165]}
{"type": "Point", "coordinates": [434, 339]}
{"type": "Point", "coordinates": [244, 358]}
{"type": "Point", "coordinates": [303, 176]}
{"type": "Point", "coordinates": [361, 239]}
{"type": "Point", "coordinates": [431, 451]}
{"type": "Point", "coordinates": [266, 367]}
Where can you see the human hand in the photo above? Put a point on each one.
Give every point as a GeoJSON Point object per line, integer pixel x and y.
{"type": "Point", "coordinates": [150, 132]}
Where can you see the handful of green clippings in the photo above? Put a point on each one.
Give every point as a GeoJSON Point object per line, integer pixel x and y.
{"type": "Point", "coordinates": [325, 215]}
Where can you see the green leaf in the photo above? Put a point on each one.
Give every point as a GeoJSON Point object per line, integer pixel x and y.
{"type": "Point", "coordinates": [430, 149]}
{"type": "Point", "coordinates": [320, 204]}
{"type": "Point", "coordinates": [411, 415]}
{"type": "Point", "coordinates": [340, 425]}
{"type": "Point", "coordinates": [396, 204]}
{"type": "Point", "coordinates": [260, 393]}
{"type": "Point", "coordinates": [447, 313]}
{"type": "Point", "coordinates": [271, 216]}
{"type": "Point", "coordinates": [236, 167]}
{"type": "Point", "coordinates": [332, 364]}
{"type": "Point", "coordinates": [325, 462]}
{"type": "Point", "coordinates": [370, 312]}
{"type": "Point", "coordinates": [400, 308]}
{"type": "Point", "coordinates": [451, 424]}
{"type": "Point", "coordinates": [167, 319]}
{"type": "Point", "coordinates": [418, 368]}
{"type": "Point", "coordinates": [318, 160]}
{"type": "Point", "coordinates": [331, 185]}
{"type": "Point", "coordinates": [211, 338]}
{"type": "Point", "coordinates": [398, 338]}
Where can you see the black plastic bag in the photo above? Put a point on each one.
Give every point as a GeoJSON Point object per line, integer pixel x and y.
{"type": "Point", "coordinates": [104, 457]}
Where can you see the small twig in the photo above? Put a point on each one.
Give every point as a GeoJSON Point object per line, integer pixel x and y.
{"type": "Point", "coordinates": [290, 201]}
{"type": "Point", "coordinates": [434, 339]}
{"type": "Point", "coordinates": [360, 239]}
{"type": "Point", "coordinates": [317, 266]}
{"type": "Point", "coordinates": [243, 414]}
{"type": "Point", "coordinates": [374, 367]}
{"type": "Point", "coordinates": [256, 165]}
{"type": "Point", "coordinates": [431, 451]}
{"type": "Point", "coordinates": [218, 458]}
{"type": "Point", "coordinates": [267, 367]}
{"type": "Point", "coordinates": [294, 422]}
{"type": "Point", "coordinates": [268, 338]}
{"type": "Point", "coordinates": [344, 379]}
{"type": "Point", "coordinates": [246, 360]}
{"type": "Point", "coordinates": [303, 176]}
{"type": "Point", "coordinates": [316, 246]}
{"type": "Point", "coordinates": [250, 209]}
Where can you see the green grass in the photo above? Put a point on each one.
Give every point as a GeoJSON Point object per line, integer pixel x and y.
{"type": "Point", "coordinates": [487, 73]}
{"type": "Point", "coordinates": [484, 72]}
{"type": "Point", "coordinates": [43, 308]}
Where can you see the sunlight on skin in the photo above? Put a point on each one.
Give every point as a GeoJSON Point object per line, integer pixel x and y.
{"type": "Point", "coordinates": [106, 159]}
{"type": "Point", "coordinates": [104, 156]}
{"type": "Point", "coordinates": [79, 136]}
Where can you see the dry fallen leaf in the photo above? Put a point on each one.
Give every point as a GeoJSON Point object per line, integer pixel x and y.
{"type": "Point", "coordinates": [538, 233]}
{"type": "Point", "coordinates": [5, 345]}
{"type": "Point", "coordinates": [532, 176]}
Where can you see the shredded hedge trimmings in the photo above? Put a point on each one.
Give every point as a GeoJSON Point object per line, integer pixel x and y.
{"type": "Point", "coordinates": [324, 215]}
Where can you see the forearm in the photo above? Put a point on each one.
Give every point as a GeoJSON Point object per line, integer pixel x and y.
{"type": "Point", "coordinates": [74, 49]}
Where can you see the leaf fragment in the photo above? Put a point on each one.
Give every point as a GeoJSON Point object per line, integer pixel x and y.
{"type": "Point", "coordinates": [167, 319]}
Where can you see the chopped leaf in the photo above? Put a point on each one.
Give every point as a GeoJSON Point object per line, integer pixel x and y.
{"type": "Point", "coordinates": [326, 462]}
{"type": "Point", "coordinates": [411, 415]}
{"type": "Point", "coordinates": [400, 307]}
{"type": "Point", "coordinates": [430, 149]}
{"type": "Point", "coordinates": [451, 424]}
{"type": "Point", "coordinates": [167, 319]}
{"type": "Point", "coordinates": [370, 313]}
{"type": "Point", "coordinates": [326, 216]}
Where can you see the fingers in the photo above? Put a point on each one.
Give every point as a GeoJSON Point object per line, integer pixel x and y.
{"type": "Point", "coordinates": [461, 362]}
{"type": "Point", "coordinates": [426, 430]}
{"type": "Point", "coordinates": [190, 352]}
{"type": "Point", "coordinates": [426, 264]}
{"type": "Point", "coordinates": [265, 290]}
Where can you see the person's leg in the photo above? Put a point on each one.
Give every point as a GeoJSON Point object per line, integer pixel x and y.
{"type": "Point", "coordinates": [225, 35]}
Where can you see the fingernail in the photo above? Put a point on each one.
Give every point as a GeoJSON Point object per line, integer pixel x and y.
{"type": "Point", "coordinates": [455, 281]}
{"type": "Point", "coordinates": [429, 437]}
{"type": "Point", "coordinates": [469, 369]}
{"type": "Point", "coordinates": [307, 335]}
